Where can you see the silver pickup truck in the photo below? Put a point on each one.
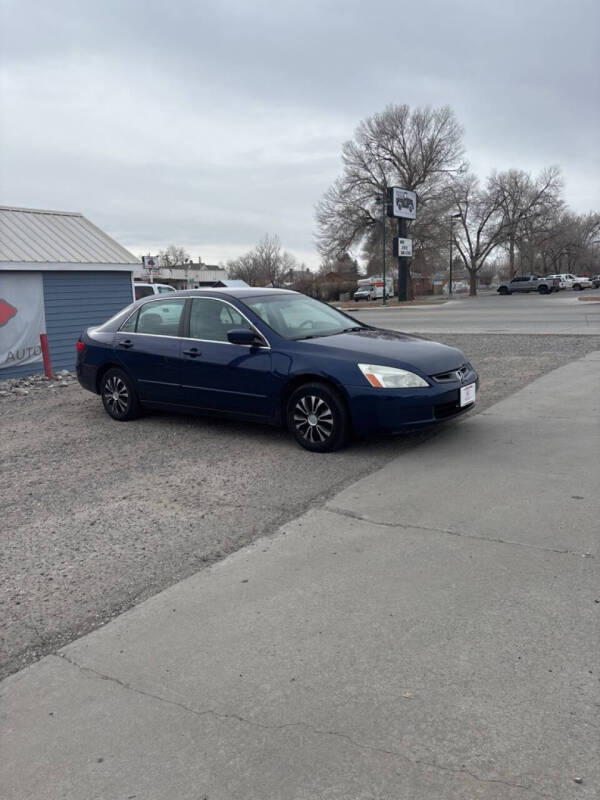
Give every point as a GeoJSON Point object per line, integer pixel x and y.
{"type": "Point", "coordinates": [529, 283]}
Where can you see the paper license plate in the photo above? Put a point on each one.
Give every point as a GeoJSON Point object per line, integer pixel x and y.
{"type": "Point", "coordinates": [467, 395]}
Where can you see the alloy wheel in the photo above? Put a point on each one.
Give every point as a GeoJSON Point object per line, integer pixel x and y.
{"type": "Point", "coordinates": [313, 419]}
{"type": "Point", "coordinates": [116, 395]}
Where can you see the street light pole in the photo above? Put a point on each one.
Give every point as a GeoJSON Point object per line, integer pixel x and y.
{"type": "Point", "coordinates": [383, 201]}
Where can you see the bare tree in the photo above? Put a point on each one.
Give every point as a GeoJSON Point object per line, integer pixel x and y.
{"type": "Point", "coordinates": [526, 204]}
{"type": "Point", "coordinates": [481, 224]}
{"type": "Point", "coordinates": [269, 259]}
{"type": "Point", "coordinates": [245, 268]}
{"type": "Point", "coordinates": [265, 264]}
{"type": "Point", "coordinates": [174, 256]}
{"type": "Point", "coordinates": [420, 150]}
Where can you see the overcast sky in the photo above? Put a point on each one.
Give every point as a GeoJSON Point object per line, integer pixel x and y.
{"type": "Point", "coordinates": [209, 123]}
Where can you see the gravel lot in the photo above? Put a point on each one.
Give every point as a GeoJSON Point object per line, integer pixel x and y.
{"type": "Point", "coordinates": [98, 515]}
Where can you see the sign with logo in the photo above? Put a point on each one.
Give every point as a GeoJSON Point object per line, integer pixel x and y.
{"type": "Point", "coordinates": [21, 318]}
{"type": "Point", "coordinates": [403, 248]}
{"type": "Point", "coordinates": [401, 203]}
{"type": "Point", "coordinates": [151, 263]}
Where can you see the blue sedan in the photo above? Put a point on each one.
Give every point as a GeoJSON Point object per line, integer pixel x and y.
{"type": "Point", "coordinates": [274, 356]}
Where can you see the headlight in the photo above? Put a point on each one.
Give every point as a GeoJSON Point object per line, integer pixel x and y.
{"type": "Point", "coordinates": [391, 377]}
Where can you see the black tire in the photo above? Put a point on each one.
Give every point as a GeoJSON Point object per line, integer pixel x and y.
{"type": "Point", "coordinates": [317, 418]}
{"type": "Point", "coordinates": [543, 289]}
{"type": "Point", "coordinates": [577, 287]}
{"type": "Point", "coordinates": [503, 290]}
{"type": "Point", "coordinates": [118, 395]}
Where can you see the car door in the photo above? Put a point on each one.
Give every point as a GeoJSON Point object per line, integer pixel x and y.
{"type": "Point", "coordinates": [148, 346]}
{"type": "Point", "coordinates": [520, 284]}
{"type": "Point", "coordinates": [221, 376]}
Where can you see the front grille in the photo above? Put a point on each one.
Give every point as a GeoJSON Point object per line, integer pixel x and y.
{"type": "Point", "coordinates": [452, 375]}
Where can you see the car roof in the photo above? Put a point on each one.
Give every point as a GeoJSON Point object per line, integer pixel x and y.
{"type": "Point", "coordinates": [239, 292]}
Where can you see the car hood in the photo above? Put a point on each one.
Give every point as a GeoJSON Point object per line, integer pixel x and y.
{"type": "Point", "coordinates": [390, 348]}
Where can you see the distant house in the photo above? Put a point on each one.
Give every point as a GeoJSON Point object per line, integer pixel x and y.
{"type": "Point", "coordinates": [59, 273]}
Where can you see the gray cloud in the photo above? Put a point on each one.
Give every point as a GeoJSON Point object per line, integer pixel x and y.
{"type": "Point", "coordinates": [211, 123]}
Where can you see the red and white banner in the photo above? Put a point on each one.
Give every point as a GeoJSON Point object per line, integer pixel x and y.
{"type": "Point", "coordinates": [21, 318]}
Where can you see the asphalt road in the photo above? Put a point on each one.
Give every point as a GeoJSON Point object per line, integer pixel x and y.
{"type": "Point", "coordinates": [98, 515]}
{"type": "Point", "coordinates": [562, 313]}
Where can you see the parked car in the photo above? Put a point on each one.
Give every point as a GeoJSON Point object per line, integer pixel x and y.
{"type": "Point", "coordinates": [273, 356]}
{"type": "Point", "coordinates": [596, 281]}
{"type": "Point", "coordinates": [146, 289]}
{"type": "Point", "coordinates": [575, 282]}
{"type": "Point", "coordinates": [529, 283]}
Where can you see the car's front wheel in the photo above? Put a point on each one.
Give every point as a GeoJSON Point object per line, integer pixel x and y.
{"type": "Point", "coordinates": [317, 417]}
{"type": "Point", "coordinates": [118, 395]}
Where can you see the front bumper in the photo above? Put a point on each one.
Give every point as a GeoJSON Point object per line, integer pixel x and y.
{"type": "Point", "coordinates": [394, 410]}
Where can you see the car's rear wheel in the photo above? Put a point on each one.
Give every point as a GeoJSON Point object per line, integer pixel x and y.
{"type": "Point", "coordinates": [543, 289]}
{"type": "Point", "coordinates": [577, 287]}
{"type": "Point", "coordinates": [317, 417]}
{"type": "Point", "coordinates": [503, 290]}
{"type": "Point", "coordinates": [118, 395]}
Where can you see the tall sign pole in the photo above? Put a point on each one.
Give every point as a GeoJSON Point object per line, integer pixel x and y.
{"type": "Point", "coordinates": [402, 264]}
{"type": "Point", "coordinates": [383, 207]}
{"type": "Point", "coordinates": [402, 204]}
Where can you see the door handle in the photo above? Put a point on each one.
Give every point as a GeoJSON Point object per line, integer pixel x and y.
{"type": "Point", "coordinates": [192, 352]}
{"type": "Point", "coordinates": [125, 343]}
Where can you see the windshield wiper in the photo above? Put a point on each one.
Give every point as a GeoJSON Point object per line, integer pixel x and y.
{"type": "Point", "coordinates": [355, 328]}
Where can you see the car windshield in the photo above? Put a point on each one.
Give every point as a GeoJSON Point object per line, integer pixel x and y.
{"type": "Point", "coordinates": [295, 316]}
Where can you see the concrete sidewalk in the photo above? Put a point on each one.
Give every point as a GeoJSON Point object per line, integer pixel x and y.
{"type": "Point", "coordinates": [432, 633]}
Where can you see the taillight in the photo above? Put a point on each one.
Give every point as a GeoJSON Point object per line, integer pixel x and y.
{"type": "Point", "coordinates": [80, 347]}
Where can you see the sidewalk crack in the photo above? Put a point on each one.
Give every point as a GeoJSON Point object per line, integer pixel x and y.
{"type": "Point", "coordinates": [449, 532]}
{"type": "Point", "coordinates": [317, 731]}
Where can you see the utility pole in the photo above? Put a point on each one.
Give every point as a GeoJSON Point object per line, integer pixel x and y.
{"type": "Point", "coordinates": [383, 201]}
{"type": "Point", "coordinates": [452, 218]}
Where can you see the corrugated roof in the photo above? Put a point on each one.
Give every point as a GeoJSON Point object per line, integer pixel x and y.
{"type": "Point", "coordinates": [33, 235]}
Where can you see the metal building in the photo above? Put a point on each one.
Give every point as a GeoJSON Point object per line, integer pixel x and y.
{"type": "Point", "coordinates": [59, 273]}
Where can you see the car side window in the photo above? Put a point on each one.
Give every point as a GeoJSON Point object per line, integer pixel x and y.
{"type": "Point", "coordinates": [212, 319]}
{"type": "Point", "coordinates": [129, 325]}
{"type": "Point", "coordinates": [160, 318]}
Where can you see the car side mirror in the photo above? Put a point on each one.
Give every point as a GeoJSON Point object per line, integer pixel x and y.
{"type": "Point", "coordinates": [243, 336]}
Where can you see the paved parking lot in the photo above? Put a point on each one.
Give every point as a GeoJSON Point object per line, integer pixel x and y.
{"type": "Point", "coordinates": [563, 312]}
{"type": "Point", "coordinates": [98, 515]}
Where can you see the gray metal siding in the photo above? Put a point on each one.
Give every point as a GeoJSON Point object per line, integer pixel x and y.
{"type": "Point", "coordinates": [77, 300]}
